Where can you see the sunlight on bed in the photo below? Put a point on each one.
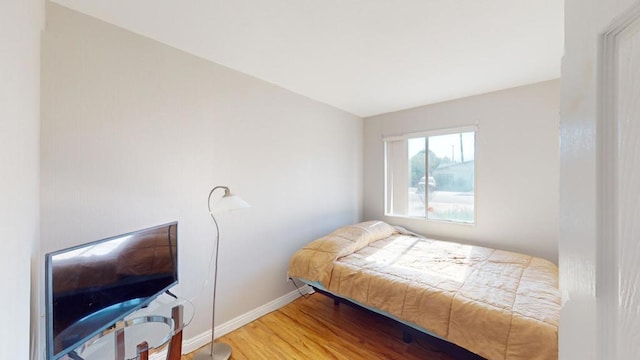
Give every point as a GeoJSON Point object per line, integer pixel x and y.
{"type": "Point", "coordinates": [435, 259]}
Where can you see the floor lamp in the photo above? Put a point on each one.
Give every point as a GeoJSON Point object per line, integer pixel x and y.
{"type": "Point", "coordinates": [228, 202]}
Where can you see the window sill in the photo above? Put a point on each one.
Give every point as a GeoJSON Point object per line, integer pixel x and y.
{"type": "Point", "coordinates": [453, 222]}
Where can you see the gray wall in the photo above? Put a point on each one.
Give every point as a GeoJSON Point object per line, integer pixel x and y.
{"type": "Point", "coordinates": [517, 165]}
{"type": "Point", "coordinates": [135, 133]}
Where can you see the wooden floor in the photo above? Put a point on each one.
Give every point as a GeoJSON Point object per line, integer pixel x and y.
{"type": "Point", "coordinates": [314, 328]}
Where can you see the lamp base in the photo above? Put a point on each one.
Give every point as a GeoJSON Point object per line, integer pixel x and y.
{"type": "Point", "coordinates": [221, 351]}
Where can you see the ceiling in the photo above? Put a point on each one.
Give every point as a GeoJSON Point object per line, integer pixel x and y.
{"type": "Point", "coordinates": [366, 57]}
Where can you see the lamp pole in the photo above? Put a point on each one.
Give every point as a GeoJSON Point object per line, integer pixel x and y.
{"type": "Point", "coordinates": [228, 202]}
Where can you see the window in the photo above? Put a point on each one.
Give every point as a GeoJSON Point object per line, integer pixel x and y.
{"type": "Point", "coordinates": [431, 175]}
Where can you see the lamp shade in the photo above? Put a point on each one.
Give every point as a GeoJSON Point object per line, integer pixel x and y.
{"type": "Point", "coordinates": [229, 202]}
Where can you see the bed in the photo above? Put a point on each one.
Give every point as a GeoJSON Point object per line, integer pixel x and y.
{"type": "Point", "coordinates": [497, 304]}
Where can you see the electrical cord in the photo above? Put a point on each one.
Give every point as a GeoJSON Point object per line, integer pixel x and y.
{"type": "Point", "coordinates": [205, 281]}
{"type": "Point", "coordinates": [306, 296]}
{"type": "Point", "coordinates": [74, 355]}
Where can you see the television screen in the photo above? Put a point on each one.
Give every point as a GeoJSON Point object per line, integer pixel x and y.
{"type": "Point", "coordinates": [91, 286]}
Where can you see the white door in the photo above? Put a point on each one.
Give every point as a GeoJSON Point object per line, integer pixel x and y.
{"type": "Point", "coordinates": [620, 188]}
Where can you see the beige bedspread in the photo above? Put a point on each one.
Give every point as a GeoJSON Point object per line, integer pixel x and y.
{"type": "Point", "coordinates": [497, 304]}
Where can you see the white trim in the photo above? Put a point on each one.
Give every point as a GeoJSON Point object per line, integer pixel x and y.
{"type": "Point", "coordinates": [427, 133]}
{"type": "Point", "coordinates": [607, 289]}
{"type": "Point", "coordinates": [606, 161]}
{"type": "Point", "coordinates": [423, 218]}
{"type": "Point", "coordinates": [160, 355]}
{"type": "Point", "coordinates": [393, 138]}
{"type": "Point", "coordinates": [385, 166]}
{"type": "Point", "coordinates": [202, 339]}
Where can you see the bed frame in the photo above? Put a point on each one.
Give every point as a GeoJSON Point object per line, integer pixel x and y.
{"type": "Point", "coordinates": [408, 332]}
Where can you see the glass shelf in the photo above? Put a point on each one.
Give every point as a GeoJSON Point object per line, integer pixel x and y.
{"type": "Point", "coordinates": [152, 324]}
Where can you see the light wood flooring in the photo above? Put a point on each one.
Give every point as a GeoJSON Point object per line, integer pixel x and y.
{"type": "Point", "coordinates": [315, 328]}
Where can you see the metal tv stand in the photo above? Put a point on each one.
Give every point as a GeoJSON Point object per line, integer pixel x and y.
{"type": "Point", "coordinates": [147, 330]}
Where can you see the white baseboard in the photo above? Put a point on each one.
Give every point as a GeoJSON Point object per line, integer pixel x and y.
{"type": "Point", "coordinates": [198, 341]}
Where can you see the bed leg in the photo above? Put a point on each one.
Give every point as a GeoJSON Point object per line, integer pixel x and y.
{"type": "Point", "coordinates": [406, 336]}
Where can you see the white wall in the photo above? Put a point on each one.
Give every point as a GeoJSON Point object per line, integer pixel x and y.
{"type": "Point", "coordinates": [516, 166]}
{"type": "Point", "coordinates": [136, 133]}
{"type": "Point", "coordinates": [585, 20]}
{"type": "Point", "coordinates": [20, 25]}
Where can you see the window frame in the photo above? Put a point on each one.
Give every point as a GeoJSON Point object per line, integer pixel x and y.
{"type": "Point", "coordinates": [388, 210]}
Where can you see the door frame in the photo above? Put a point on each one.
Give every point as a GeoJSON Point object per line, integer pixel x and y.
{"type": "Point", "coordinates": [608, 141]}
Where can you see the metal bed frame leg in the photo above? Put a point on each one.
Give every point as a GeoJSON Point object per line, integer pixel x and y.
{"type": "Point", "coordinates": [406, 336]}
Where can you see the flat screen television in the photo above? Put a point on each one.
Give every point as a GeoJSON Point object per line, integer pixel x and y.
{"type": "Point", "coordinates": [90, 287]}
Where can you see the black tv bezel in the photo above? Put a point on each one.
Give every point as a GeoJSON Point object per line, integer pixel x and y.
{"type": "Point", "coordinates": [49, 294]}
